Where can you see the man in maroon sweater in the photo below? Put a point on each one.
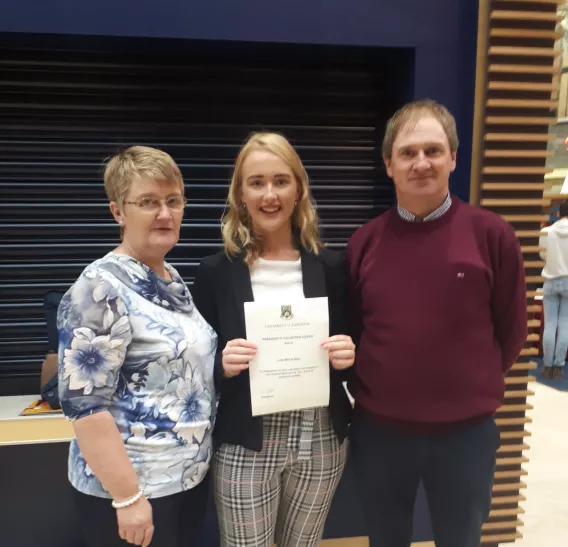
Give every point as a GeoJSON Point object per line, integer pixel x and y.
{"type": "Point", "coordinates": [439, 316]}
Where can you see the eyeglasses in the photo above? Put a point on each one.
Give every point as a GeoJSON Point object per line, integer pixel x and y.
{"type": "Point", "coordinates": [153, 205]}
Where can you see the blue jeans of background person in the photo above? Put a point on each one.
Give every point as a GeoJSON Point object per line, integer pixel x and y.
{"type": "Point", "coordinates": [555, 338]}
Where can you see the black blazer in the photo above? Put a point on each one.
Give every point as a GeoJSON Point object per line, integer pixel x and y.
{"type": "Point", "coordinates": [221, 287]}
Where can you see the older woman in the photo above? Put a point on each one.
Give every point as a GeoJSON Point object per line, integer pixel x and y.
{"type": "Point", "coordinates": [136, 371]}
{"type": "Point", "coordinates": [274, 476]}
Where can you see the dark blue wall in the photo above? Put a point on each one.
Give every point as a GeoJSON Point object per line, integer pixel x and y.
{"type": "Point", "coordinates": [443, 32]}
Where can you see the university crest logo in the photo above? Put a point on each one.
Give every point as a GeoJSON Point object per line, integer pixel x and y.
{"type": "Point", "coordinates": [286, 312]}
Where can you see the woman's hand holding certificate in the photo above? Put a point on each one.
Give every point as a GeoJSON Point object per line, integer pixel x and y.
{"type": "Point", "coordinates": [341, 350]}
{"type": "Point", "coordinates": [239, 352]}
{"type": "Point", "coordinates": [290, 369]}
{"type": "Point", "coordinates": [236, 356]}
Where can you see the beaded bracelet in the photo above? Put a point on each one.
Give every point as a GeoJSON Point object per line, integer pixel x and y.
{"type": "Point", "coordinates": [129, 502]}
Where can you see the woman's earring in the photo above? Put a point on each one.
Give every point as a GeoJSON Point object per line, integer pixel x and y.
{"type": "Point", "coordinates": [295, 203]}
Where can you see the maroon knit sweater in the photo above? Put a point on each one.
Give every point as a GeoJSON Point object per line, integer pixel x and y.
{"type": "Point", "coordinates": [439, 315]}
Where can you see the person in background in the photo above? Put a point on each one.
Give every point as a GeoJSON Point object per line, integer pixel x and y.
{"type": "Point", "coordinates": [136, 371]}
{"type": "Point", "coordinates": [274, 476]}
{"type": "Point", "coordinates": [554, 244]}
{"type": "Point", "coordinates": [439, 317]}
{"type": "Point", "coordinates": [553, 212]}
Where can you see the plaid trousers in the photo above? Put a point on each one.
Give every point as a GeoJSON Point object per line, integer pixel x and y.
{"type": "Point", "coordinates": [273, 496]}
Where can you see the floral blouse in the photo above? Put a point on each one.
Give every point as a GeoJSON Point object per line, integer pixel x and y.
{"type": "Point", "coordinates": [134, 344]}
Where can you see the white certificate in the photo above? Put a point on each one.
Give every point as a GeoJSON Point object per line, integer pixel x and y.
{"type": "Point", "coordinates": [290, 370]}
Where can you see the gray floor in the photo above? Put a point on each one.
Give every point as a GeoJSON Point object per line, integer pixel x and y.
{"type": "Point", "coordinates": [546, 507]}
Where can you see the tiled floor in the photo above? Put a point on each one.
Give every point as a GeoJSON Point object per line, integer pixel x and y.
{"type": "Point", "coordinates": [546, 508]}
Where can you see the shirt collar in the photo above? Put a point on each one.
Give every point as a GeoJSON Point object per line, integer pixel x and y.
{"type": "Point", "coordinates": [409, 217]}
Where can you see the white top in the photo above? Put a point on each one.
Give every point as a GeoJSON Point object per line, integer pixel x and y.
{"type": "Point", "coordinates": [281, 278]}
{"type": "Point", "coordinates": [554, 239]}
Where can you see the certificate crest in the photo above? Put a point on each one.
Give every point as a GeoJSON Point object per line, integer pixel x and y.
{"type": "Point", "coordinates": [286, 312]}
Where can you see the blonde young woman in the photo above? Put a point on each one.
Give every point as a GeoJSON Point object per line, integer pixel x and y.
{"type": "Point", "coordinates": [136, 371]}
{"type": "Point", "coordinates": [274, 476]}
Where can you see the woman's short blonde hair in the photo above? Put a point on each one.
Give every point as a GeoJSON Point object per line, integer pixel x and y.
{"type": "Point", "coordinates": [139, 162]}
{"type": "Point", "coordinates": [237, 230]}
{"type": "Point", "coordinates": [410, 114]}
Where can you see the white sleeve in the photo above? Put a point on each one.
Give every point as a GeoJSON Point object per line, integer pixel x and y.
{"type": "Point", "coordinates": [543, 243]}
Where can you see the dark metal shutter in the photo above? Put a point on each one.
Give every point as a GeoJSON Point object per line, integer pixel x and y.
{"type": "Point", "coordinates": [63, 111]}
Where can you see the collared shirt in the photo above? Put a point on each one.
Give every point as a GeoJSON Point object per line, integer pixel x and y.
{"type": "Point", "coordinates": [409, 217]}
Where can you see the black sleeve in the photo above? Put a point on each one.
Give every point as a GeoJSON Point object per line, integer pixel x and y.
{"type": "Point", "coordinates": [353, 296]}
{"type": "Point", "coordinates": [337, 297]}
{"type": "Point", "coordinates": [336, 290]}
{"type": "Point", "coordinates": [203, 293]}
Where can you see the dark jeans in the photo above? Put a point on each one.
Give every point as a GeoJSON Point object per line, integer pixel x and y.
{"type": "Point", "coordinates": [457, 470]}
{"type": "Point", "coordinates": [178, 519]}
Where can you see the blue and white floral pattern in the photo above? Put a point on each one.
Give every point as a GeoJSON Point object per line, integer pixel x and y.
{"type": "Point", "coordinates": [133, 344]}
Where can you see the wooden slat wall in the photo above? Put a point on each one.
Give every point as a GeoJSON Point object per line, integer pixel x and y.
{"type": "Point", "coordinates": [516, 94]}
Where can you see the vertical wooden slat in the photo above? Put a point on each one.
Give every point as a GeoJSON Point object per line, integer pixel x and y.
{"type": "Point", "coordinates": [515, 106]}
{"type": "Point", "coordinates": [480, 88]}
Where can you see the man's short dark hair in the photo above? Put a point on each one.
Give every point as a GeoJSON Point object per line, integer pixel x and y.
{"type": "Point", "coordinates": [563, 210]}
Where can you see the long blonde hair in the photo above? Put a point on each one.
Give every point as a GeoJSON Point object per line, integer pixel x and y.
{"type": "Point", "coordinates": [236, 225]}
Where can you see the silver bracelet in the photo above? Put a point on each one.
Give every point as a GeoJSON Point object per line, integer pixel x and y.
{"type": "Point", "coordinates": [128, 502]}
